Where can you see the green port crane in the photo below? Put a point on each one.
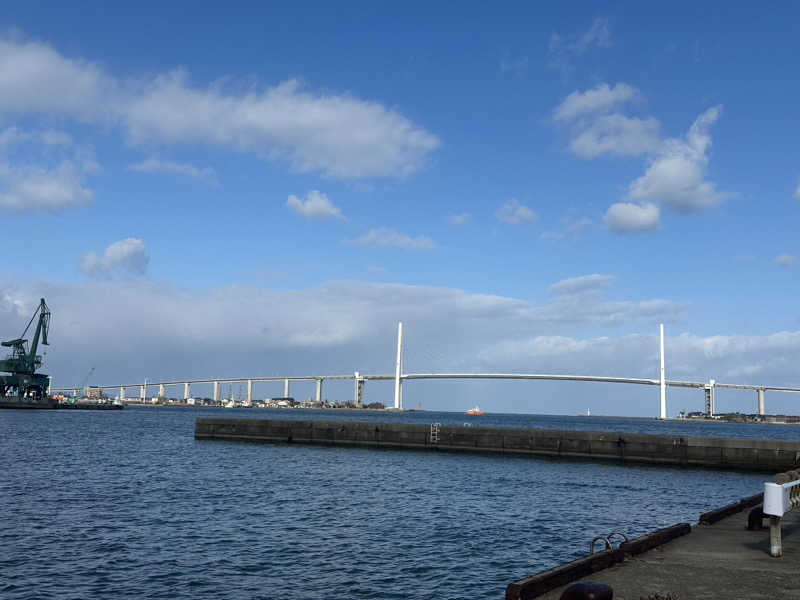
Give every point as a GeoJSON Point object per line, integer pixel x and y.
{"type": "Point", "coordinates": [22, 379]}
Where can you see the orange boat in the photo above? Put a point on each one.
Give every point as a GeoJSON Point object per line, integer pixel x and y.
{"type": "Point", "coordinates": [475, 411]}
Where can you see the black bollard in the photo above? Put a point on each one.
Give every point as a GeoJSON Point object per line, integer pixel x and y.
{"type": "Point", "coordinates": [586, 590]}
{"type": "Point", "coordinates": [755, 519]}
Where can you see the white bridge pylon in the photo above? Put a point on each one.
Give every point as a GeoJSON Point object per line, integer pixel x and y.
{"type": "Point", "coordinates": [399, 377]}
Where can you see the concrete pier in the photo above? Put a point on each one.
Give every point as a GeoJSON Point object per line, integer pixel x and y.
{"type": "Point", "coordinates": [722, 560]}
{"type": "Point", "coordinates": [718, 453]}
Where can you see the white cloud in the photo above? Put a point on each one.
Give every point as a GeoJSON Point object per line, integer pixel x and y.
{"type": "Point", "coordinates": [155, 165]}
{"type": "Point", "coordinates": [232, 330]}
{"type": "Point", "coordinates": [383, 237]}
{"type": "Point", "coordinates": [42, 171]}
{"type": "Point", "coordinates": [689, 357]}
{"type": "Point", "coordinates": [515, 213]}
{"type": "Point", "coordinates": [598, 129]}
{"type": "Point", "coordinates": [34, 78]}
{"type": "Point", "coordinates": [129, 255]}
{"type": "Point", "coordinates": [600, 99]}
{"type": "Point", "coordinates": [584, 283]}
{"type": "Point", "coordinates": [563, 49]}
{"type": "Point", "coordinates": [676, 176]}
{"type": "Point", "coordinates": [626, 217]}
{"type": "Point", "coordinates": [42, 188]}
{"type": "Point", "coordinates": [786, 260]}
{"type": "Point", "coordinates": [336, 134]}
{"type": "Point", "coordinates": [459, 219]}
{"type": "Point", "coordinates": [316, 206]}
{"type": "Point", "coordinates": [618, 135]}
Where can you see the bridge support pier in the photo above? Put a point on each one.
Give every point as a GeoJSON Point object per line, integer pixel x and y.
{"type": "Point", "coordinates": [709, 390]}
{"type": "Point", "coordinates": [142, 392]}
{"type": "Point", "coordinates": [319, 390]}
{"type": "Point", "coordinates": [249, 391]}
{"type": "Point", "coordinates": [761, 407]}
{"type": "Point", "coordinates": [359, 394]}
{"type": "Point", "coordinates": [187, 390]}
{"type": "Point", "coordinates": [286, 388]}
{"type": "Point", "coordinates": [216, 391]}
{"type": "Point", "coordinates": [162, 392]}
{"type": "Point", "coordinates": [121, 394]}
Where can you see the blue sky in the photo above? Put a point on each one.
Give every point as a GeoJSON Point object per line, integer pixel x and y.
{"type": "Point", "coordinates": [268, 190]}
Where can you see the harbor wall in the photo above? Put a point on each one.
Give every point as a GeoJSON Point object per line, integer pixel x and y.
{"type": "Point", "coordinates": [718, 453]}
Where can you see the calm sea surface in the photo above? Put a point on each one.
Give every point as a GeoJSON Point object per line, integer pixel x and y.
{"type": "Point", "coordinates": [126, 504]}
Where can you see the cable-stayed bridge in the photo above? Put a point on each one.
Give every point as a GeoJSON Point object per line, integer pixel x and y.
{"type": "Point", "coordinates": [399, 377]}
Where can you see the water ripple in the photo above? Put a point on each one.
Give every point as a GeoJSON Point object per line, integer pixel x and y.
{"type": "Point", "coordinates": [129, 505]}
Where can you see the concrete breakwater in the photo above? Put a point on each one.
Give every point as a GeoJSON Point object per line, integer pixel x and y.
{"type": "Point", "coordinates": [718, 453]}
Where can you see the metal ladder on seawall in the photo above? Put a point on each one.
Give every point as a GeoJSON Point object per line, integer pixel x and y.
{"type": "Point", "coordinates": [435, 427]}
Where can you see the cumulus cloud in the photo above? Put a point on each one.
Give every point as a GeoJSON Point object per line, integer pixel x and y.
{"type": "Point", "coordinates": [600, 99]}
{"type": "Point", "coordinates": [459, 219]}
{"type": "Point", "coordinates": [125, 256]}
{"type": "Point", "coordinates": [155, 165]}
{"type": "Point", "coordinates": [616, 135]}
{"type": "Point", "coordinates": [335, 134]}
{"type": "Point", "coordinates": [562, 49]}
{"type": "Point", "coordinates": [677, 175]}
{"type": "Point", "coordinates": [584, 283]}
{"type": "Point", "coordinates": [786, 260]}
{"type": "Point", "coordinates": [689, 357]}
{"type": "Point", "coordinates": [42, 171]}
{"type": "Point", "coordinates": [384, 237]}
{"type": "Point", "coordinates": [334, 327]}
{"type": "Point", "coordinates": [514, 212]}
{"type": "Point", "coordinates": [316, 206]}
{"type": "Point", "coordinates": [623, 217]}
{"type": "Point", "coordinates": [597, 128]}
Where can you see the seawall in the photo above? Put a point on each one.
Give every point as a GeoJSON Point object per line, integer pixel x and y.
{"type": "Point", "coordinates": [717, 453]}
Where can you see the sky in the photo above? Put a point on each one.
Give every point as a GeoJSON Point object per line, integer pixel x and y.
{"type": "Point", "coordinates": [251, 190]}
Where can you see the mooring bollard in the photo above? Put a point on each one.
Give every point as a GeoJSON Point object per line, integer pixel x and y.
{"type": "Point", "coordinates": [586, 590]}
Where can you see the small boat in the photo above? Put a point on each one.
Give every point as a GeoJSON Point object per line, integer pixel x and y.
{"type": "Point", "coordinates": [475, 411]}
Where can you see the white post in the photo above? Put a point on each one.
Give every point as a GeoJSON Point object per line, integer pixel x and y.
{"type": "Point", "coordinates": [663, 379]}
{"type": "Point", "coordinates": [398, 384]}
{"type": "Point", "coordinates": [187, 390]}
{"type": "Point", "coordinates": [286, 388]}
{"type": "Point", "coordinates": [162, 392]}
{"type": "Point", "coordinates": [775, 548]}
{"type": "Point", "coordinates": [249, 391]}
{"type": "Point", "coordinates": [319, 390]}
{"type": "Point", "coordinates": [122, 393]}
{"type": "Point", "coordinates": [216, 392]}
{"type": "Point", "coordinates": [761, 408]}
